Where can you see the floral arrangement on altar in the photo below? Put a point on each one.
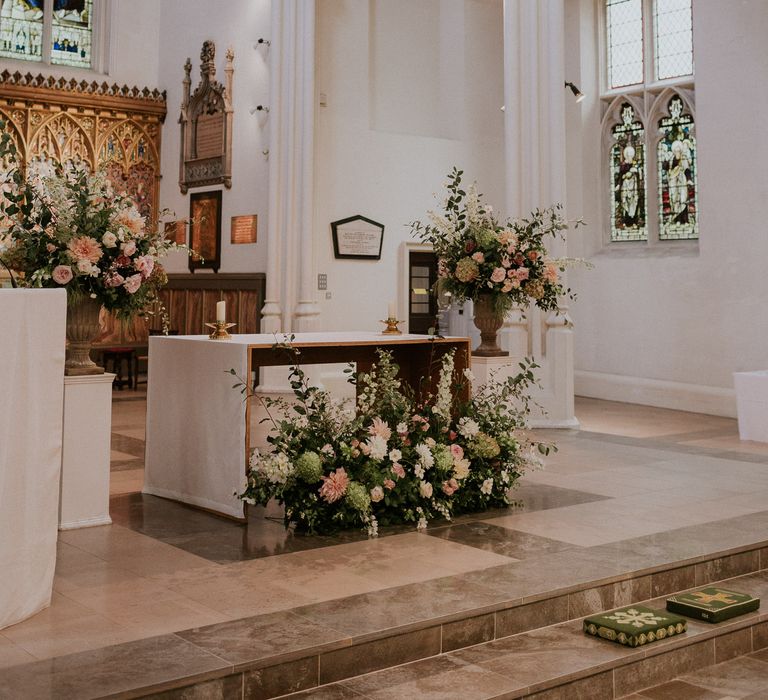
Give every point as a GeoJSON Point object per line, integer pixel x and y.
{"type": "Point", "coordinates": [64, 227]}
{"type": "Point", "coordinates": [394, 457]}
{"type": "Point", "coordinates": [481, 256]}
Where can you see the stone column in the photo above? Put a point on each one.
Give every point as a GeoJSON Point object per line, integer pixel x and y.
{"type": "Point", "coordinates": [290, 303]}
{"type": "Point", "coordinates": [534, 115]}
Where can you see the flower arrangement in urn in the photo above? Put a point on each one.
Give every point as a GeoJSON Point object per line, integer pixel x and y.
{"type": "Point", "coordinates": [64, 227]}
{"type": "Point", "coordinates": [496, 264]}
{"type": "Point", "coordinates": [394, 457]}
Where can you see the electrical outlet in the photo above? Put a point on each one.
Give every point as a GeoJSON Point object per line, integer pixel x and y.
{"type": "Point", "coordinates": [322, 281]}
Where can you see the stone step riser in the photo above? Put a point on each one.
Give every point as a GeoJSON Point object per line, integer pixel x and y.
{"type": "Point", "coordinates": [423, 640]}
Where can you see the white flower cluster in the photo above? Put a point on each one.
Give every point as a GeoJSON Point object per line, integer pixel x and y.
{"type": "Point", "coordinates": [275, 467]}
{"type": "Point", "coordinates": [468, 427]}
{"type": "Point", "coordinates": [444, 398]}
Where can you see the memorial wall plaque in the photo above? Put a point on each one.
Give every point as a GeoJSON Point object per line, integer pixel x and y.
{"type": "Point", "coordinates": [357, 237]}
{"type": "Point", "coordinates": [244, 229]}
{"type": "Point", "coordinates": [206, 124]}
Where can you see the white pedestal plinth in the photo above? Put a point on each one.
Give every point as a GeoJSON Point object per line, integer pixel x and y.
{"type": "Point", "coordinates": [752, 404]}
{"type": "Point", "coordinates": [498, 367]}
{"type": "Point", "coordinates": [84, 495]}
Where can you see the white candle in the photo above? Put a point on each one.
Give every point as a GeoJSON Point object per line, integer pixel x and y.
{"type": "Point", "coordinates": [221, 311]}
{"type": "Point", "coordinates": [391, 310]}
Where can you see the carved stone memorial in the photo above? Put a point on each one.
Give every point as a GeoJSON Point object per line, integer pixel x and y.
{"type": "Point", "coordinates": [206, 124]}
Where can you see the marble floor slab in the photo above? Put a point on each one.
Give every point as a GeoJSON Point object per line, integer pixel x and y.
{"type": "Point", "coordinates": [636, 487]}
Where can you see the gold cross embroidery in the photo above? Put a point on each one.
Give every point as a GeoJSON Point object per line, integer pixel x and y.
{"type": "Point", "coordinates": [714, 598]}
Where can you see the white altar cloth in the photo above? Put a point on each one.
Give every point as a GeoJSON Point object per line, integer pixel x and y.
{"type": "Point", "coordinates": [197, 441]}
{"type": "Point", "coordinates": [32, 341]}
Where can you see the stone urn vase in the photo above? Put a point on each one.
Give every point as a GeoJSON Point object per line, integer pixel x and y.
{"type": "Point", "coordinates": [488, 322]}
{"type": "Point", "coordinates": [82, 328]}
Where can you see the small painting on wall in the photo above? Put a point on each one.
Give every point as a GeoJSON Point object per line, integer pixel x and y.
{"type": "Point", "coordinates": [205, 230]}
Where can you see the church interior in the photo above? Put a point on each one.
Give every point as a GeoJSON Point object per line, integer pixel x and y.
{"type": "Point", "coordinates": [280, 418]}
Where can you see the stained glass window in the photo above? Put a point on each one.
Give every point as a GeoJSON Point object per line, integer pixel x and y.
{"type": "Point", "coordinates": [21, 29]}
{"type": "Point", "coordinates": [678, 205]}
{"type": "Point", "coordinates": [71, 33]}
{"type": "Point", "coordinates": [674, 38]}
{"type": "Point", "coordinates": [624, 22]}
{"type": "Point", "coordinates": [628, 212]}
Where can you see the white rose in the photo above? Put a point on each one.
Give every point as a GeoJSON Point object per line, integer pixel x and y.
{"type": "Point", "coordinates": [85, 267]}
{"type": "Point", "coordinates": [109, 240]}
{"type": "Point", "coordinates": [402, 428]}
{"type": "Point", "coordinates": [425, 489]}
{"type": "Point", "coordinates": [395, 455]}
{"type": "Point", "coordinates": [377, 493]}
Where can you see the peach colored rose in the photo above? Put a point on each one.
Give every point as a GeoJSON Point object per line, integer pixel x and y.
{"type": "Point", "coordinates": [85, 248]}
{"type": "Point", "coordinates": [389, 484]}
{"type": "Point", "coordinates": [478, 257]}
{"type": "Point", "coordinates": [128, 248]}
{"type": "Point", "coordinates": [50, 247]}
{"type": "Point", "coordinates": [550, 273]}
{"type": "Point", "coordinates": [498, 274]}
{"type": "Point", "coordinates": [62, 274]}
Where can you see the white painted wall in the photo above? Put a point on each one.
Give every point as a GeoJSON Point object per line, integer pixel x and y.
{"type": "Point", "coordinates": [148, 43]}
{"type": "Point", "coordinates": [669, 328]}
{"type": "Point", "coordinates": [413, 88]}
{"type": "Point", "coordinates": [184, 26]}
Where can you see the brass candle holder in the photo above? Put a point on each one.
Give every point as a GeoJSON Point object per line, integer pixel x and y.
{"type": "Point", "coordinates": [219, 331]}
{"type": "Point", "coordinates": [391, 326]}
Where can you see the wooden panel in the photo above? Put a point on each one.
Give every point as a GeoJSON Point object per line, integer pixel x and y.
{"type": "Point", "coordinates": [194, 323]}
{"type": "Point", "coordinates": [250, 308]}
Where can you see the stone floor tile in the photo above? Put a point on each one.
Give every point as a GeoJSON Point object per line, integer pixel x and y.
{"type": "Point", "coordinates": [679, 690]}
{"type": "Point", "coordinates": [738, 678]}
{"type": "Point", "coordinates": [110, 670]}
{"type": "Point", "coordinates": [277, 636]}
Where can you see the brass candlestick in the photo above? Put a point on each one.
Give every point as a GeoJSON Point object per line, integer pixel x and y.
{"type": "Point", "coordinates": [391, 326]}
{"type": "Point", "coordinates": [219, 331]}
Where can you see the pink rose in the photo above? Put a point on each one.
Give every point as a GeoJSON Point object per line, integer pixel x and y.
{"type": "Point", "coordinates": [397, 470]}
{"type": "Point", "coordinates": [478, 257]}
{"type": "Point", "coordinates": [62, 274]}
{"type": "Point", "coordinates": [50, 247]}
{"type": "Point", "coordinates": [509, 285]}
{"type": "Point", "coordinates": [457, 451]}
{"type": "Point", "coordinates": [389, 484]}
{"type": "Point", "coordinates": [132, 284]}
{"type": "Point", "coordinates": [522, 274]}
{"type": "Point", "coordinates": [128, 248]}
{"type": "Point", "coordinates": [505, 261]}
{"type": "Point", "coordinates": [498, 274]}
{"type": "Point", "coordinates": [114, 279]}
{"type": "Point", "coordinates": [145, 264]}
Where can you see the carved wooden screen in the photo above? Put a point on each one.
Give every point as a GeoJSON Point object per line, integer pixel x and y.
{"type": "Point", "coordinates": [98, 125]}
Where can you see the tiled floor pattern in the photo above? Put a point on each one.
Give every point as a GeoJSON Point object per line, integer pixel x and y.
{"type": "Point", "coordinates": [631, 474]}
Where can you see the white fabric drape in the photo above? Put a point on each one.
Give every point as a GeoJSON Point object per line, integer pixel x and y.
{"type": "Point", "coordinates": [32, 342]}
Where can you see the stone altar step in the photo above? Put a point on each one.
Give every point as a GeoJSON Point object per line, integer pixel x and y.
{"type": "Point", "coordinates": [270, 655]}
{"type": "Point", "coordinates": [560, 662]}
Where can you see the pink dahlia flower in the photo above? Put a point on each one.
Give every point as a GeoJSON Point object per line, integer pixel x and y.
{"type": "Point", "coordinates": [85, 248]}
{"type": "Point", "coordinates": [380, 428]}
{"type": "Point", "coordinates": [334, 485]}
